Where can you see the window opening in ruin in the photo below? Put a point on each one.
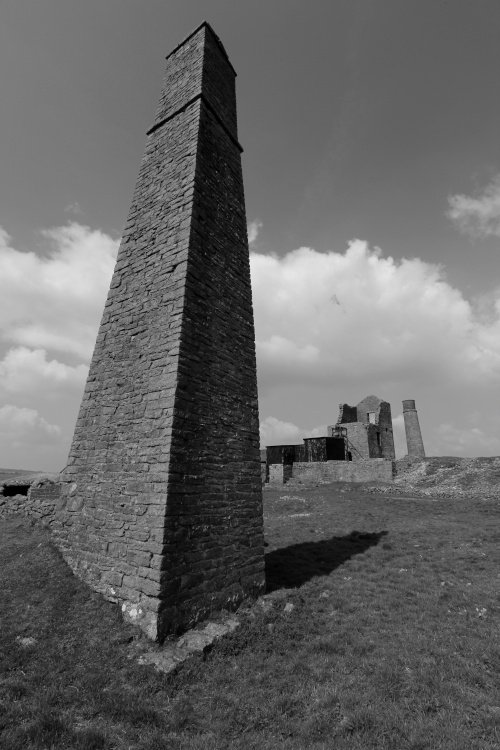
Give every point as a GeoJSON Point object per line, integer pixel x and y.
{"type": "Point", "coordinates": [371, 417]}
{"type": "Point", "coordinates": [378, 439]}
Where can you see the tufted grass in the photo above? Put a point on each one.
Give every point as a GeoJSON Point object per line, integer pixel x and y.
{"type": "Point", "coordinates": [392, 641]}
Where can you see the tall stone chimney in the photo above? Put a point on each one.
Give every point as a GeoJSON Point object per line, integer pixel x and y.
{"type": "Point", "coordinates": [414, 442]}
{"type": "Point", "coordinates": [162, 500]}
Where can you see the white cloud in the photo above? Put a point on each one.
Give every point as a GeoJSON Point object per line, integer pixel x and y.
{"type": "Point", "coordinates": [50, 303]}
{"type": "Point", "coordinates": [74, 208]}
{"type": "Point", "coordinates": [274, 431]}
{"type": "Point", "coordinates": [330, 327]}
{"type": "Point", "coordinates": [253, 229]}
{"type": "Point", "coordinates": [25, 370]}
{"type": "Point", "coordinates": [320, 431]}
{"type": "Point", "coordinates": [337, 317]}
{"type": "Point", "coordinates": [28, 440]}
{"type": "Point", "coordinates": [55, 302]}
{"type": "Point", "coordinates": [478, 216]}
{"type": "Point", "coordinates": [25, 425]}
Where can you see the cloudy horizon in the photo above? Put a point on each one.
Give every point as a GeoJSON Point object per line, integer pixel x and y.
{"type": "Point", "coordinates": [410, 327]}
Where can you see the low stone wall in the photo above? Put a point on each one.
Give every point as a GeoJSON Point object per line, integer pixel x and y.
{"type": "Point", "coordinates": [275, 475]}
{"type": "Point", "coordinates": [40, 503]}
{"type": "Point", "coordinates": [366, 470]}
{"type": "Point", "coordinates": [280, 473]}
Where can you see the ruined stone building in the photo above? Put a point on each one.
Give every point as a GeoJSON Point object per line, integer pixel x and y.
{"type": "Point", "coordinates": [366, 428]}
{"type": "Point", "coordinates": [359, 447]}
{"type": "Point", "coordinates": [161, 506]}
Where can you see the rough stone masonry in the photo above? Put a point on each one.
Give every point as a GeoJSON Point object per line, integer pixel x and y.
{"type": "Point", "coordinates": [414, 442]}
{"type": "Point", "coordinates": [161, 501]}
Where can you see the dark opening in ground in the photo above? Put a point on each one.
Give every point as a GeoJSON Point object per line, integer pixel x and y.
{"type": "Point", "coordinates": [9, 490]}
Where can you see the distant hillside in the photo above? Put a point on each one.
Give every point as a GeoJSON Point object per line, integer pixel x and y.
{"type": "Point", "coordinates": [449, 475]}
{"type": "Point", "coordinates": [11, 474]}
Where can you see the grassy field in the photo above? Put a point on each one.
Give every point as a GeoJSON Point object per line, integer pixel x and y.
{"type": "Point", "coordinates": [392, 641]}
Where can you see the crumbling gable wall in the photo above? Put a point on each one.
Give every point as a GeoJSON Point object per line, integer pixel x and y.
{"type": "Point", "coordinates": [368, 428]}
{"type": "Point", "coordinates": [347, 414]}
{"type": "Point", "coordinates": [386, 431]}
{"type": "Point", "coordinates": [375, 412]}
{"type": "Point", "coordinates": [357, 440]}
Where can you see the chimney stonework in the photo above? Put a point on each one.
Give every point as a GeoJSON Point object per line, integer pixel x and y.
{"type": "Point", "coordinates": [161, 506]}
{"type": "Point", "coordinates": [414, 442]}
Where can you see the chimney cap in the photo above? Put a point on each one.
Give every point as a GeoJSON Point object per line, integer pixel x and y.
{"type": "Point", "coordinates": [409, 404]}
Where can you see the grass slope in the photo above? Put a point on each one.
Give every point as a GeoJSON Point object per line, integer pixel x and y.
{"type": "Point", "coordinates": [392, 641]}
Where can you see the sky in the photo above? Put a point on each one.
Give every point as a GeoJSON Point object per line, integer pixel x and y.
{"type": "Point", "coordinates": [371, 167]}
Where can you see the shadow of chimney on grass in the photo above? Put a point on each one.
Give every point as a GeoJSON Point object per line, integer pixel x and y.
{"type": "Point", "coordinates": [290, 567]}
